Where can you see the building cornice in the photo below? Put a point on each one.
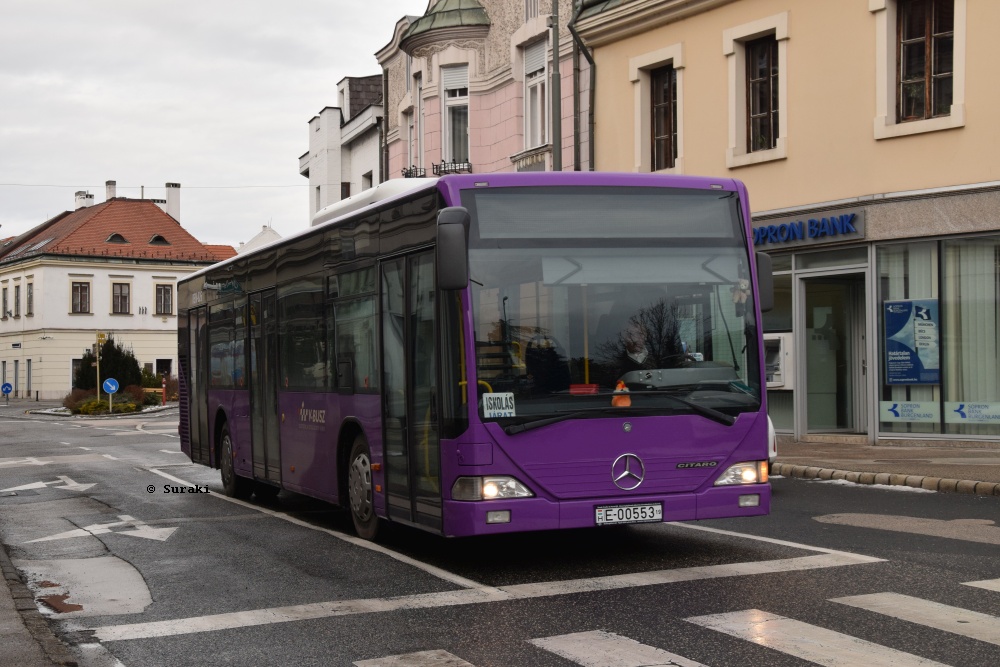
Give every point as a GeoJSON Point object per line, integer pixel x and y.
{"type": "Point", "coordinates": [638, 17]}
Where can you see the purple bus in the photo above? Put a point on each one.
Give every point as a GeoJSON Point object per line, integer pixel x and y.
{"type": "Point", "coordinates": [477, 354]}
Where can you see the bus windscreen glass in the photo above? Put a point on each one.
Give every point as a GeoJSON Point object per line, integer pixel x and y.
{"type": "Point", "coordinates": [645, 307]}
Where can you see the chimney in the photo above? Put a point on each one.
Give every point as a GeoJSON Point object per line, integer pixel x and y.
{"type": "Point", "coordinates": [174, 201]}
{"type": "Point", "coordinates": [162, 203]}
{"type": "Point", "coordinates": [110, 190]}
{"type": "Point", "coordinates": [83, 199]}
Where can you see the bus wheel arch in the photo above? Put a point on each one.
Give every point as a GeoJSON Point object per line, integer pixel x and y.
{"type": "Point", "coordinates": [233, 485]}
{"type": "Point", "coordinates": [360, 487]}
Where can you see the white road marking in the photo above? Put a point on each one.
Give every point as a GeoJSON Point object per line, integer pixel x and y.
{"type": "Point", "coordinates": [989, 584]}
{"type": "Point", "coordinates": [26, 461]}
{"type": "Point", "coordinates": [808, 642]}
{"type": "Point", "coordinates": [935, 615]}
{"type": "Point", "coordinates": [421, 659]}
{"type": "Point", "coordinates": [87, 448]}
{"type": "Point", "coordinates": [108, 456]}
{"type": "Point", "coordinates": [172, 451]}
{"type": "Point", "coordinates": [606, 649]}
{"type": "Point", "coordinates": [141, 530]}
{"type": "Point", "coordinates": [471, 592]}
{"type": "Point", "coordinates": [69, 485]}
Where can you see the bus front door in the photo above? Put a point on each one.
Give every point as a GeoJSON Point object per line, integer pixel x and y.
{"type": "Point", "coordinates": [409, 359]}
{"type": "Point", "coordinates": [264, 386]}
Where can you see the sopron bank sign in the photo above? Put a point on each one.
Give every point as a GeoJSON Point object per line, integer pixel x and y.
{"type": "Point", "coordinates": [830, 227]}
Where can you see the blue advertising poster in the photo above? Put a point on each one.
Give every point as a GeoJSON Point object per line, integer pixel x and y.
{"type": "Point", "coordinates": [911, 342]}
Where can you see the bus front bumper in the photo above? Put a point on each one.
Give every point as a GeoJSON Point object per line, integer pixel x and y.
{"type": "Point", "coordinates": [464, 518]}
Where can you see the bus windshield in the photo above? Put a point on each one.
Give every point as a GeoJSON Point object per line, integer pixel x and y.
{"type": "Point", "coordinates": [593, 301]}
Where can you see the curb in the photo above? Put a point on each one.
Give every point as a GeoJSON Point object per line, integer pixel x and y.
{"type": "Point", "coordinates": [889, 479]}
{"type": "Point", "coordinates": [37, 625]}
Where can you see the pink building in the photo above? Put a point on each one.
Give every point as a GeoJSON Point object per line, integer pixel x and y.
{"type": "Point", "coordinates": [469, 89]}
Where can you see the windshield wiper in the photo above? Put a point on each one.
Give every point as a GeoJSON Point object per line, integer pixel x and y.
{"type": "Point", "coordinates": [514, 429]}
{"type": "Point", "coordinates": [703, 410]}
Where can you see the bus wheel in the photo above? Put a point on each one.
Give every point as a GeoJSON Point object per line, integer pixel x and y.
{"type": "Point", "coordinates": [359, 485]}
{"type": "Point", "coordinates": [234, 485]}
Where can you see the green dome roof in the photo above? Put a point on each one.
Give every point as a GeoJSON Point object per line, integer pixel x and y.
{"type": "Point", "coordinates": [449, 14]}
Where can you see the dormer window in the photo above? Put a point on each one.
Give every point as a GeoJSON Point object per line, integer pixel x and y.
{"type": "Point", "coordinates": [116, 238]}
{"type": "Point", "coordinates": [158, 240]}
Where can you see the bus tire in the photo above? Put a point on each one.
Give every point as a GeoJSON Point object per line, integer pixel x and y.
{"type": "Point", "coordinates": [233, 485]}
{"type": "Point", "coordinates": [360, 490]}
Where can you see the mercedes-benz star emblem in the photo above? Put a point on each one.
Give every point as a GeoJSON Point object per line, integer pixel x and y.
{"type": "Point", "coordinates": [627, 472]}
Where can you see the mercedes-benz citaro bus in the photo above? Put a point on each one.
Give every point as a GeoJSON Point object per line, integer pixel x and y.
{"type": "Point", "coordinates": [478, 354]}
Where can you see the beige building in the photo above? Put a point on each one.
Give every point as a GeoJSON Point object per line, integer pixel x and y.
{"type": "Point", "coordinates": [864, 130]}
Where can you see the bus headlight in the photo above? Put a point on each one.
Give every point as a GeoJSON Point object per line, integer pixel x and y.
{"type": "Point", "coordinates": [488, 488]}
{"type": "Point", "coordinates": [748, 472]}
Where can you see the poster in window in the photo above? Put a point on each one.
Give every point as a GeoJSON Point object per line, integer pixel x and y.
{"type": "Point", "coordinates": [912, 342]}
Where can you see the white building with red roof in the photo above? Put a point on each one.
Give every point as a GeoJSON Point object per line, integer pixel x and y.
{"type": "Point", "coordinates": [108, 268]}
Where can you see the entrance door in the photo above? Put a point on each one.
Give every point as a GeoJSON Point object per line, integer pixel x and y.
{"type": "Point", "coordinates": [264, 386]}
{"type": "Point", "coordinates": [409, 360]}
{"type": "Point", "coordinates": [835, 353]}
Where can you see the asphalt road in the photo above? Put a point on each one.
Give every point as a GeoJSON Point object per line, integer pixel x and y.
{"type": "Point", "coordinates": [134, 571]}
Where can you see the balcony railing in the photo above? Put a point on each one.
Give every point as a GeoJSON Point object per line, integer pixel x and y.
{"type": "Point", "coordinates": [414, 172]}
{"type": "Point", "coordinates": [452, 168]}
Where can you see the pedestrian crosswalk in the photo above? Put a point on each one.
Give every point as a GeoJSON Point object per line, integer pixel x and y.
{"type": "Point", "coordinates": [818, 645]}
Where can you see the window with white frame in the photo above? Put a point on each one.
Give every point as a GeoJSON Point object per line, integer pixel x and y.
{"type": "Point", "coordinates": [164, 299]}
{"type": "Point", "coordinates": [120, 298]}
{"type": "Point", "coordinates": [757, 55]}
{"type": "Point", "coordinates": [920, 67]}
{"type": "Point", "coordinates": [536, 118]}
{"type": "Point", "coordinates": [658, 83]}
{"type": "Point", "coordinates": [80, 301]}
{"type": "Point", "coordinates": [455, 82]}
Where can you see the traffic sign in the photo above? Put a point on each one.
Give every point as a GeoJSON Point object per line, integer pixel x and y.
{"type": "Point", "coordinates": [101, 337]}
{"type": "Point", "coordinates": [110, 385]}
{"type": "Point", "coordinates": [7, 388]}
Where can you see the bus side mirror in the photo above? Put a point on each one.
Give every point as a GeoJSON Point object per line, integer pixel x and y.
{"type": "Point", "coordinates": [453, 248]}
{"type": "Point", "coordinates": [765, 282]}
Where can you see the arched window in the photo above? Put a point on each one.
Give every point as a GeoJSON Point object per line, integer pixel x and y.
{"type": "Point", "coordinates": [116, 238]}
{"type": "Point", "coordinates": [158, 240]}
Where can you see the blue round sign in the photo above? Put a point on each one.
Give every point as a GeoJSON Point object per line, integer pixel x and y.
{"type": "Point", "coordinates": [7, 388]}
{"type": "Point", "coordinates": [111, 385]}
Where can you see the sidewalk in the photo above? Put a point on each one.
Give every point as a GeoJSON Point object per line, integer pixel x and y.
{"type": "Point", "coordinates": [974, 470]}
{"type": "Point", "coordinates": [27, 641]}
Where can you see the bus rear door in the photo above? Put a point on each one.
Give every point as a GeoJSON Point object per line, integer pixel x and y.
{"type": "Point", "coordinates": [264, 386]}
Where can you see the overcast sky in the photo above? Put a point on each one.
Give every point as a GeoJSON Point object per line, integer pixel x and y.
{"type": "Point", "coordinates": [212, 94]}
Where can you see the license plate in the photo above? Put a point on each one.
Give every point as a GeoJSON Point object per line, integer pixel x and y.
{"type": "Point", "coordinates": [606, 515]}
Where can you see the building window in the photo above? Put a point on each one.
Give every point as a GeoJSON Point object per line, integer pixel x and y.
{"type": "Point", "coordinates": [17, 301]}
{"type": "Point", "coordinates": [758, 62]}
{"type": "Point", "coordinates": [536, 120]}
{"type": "Point", "coordinates": [920, 50]}
{"type": "Point", "coordinates": [158, 239]}
{"type": "Point", "coordinates": [455, 80]}
{"type": "Point", "coordinates": [418, 125]}
{"type": "Point", "coordinates": [120, 298]}
{"type": "Point", "coordinates": [366, 180]}
{"type": "Point", "coordinates": [81, 298]}
{"type": "Point", "coordinates": [762, 94]}
{"type": "Point", "coordinates": [30, 299]}
{"type": "Point", "coordinates": [926, 35]}
{"type": "Point", "coordinates": [164, 299]}
{"type": "Point", "coordinates": [663, 131]}
{"type": "Point", "coordinates": [345, 189]}
{"type": "Point", "coordinates": [5, 310]}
